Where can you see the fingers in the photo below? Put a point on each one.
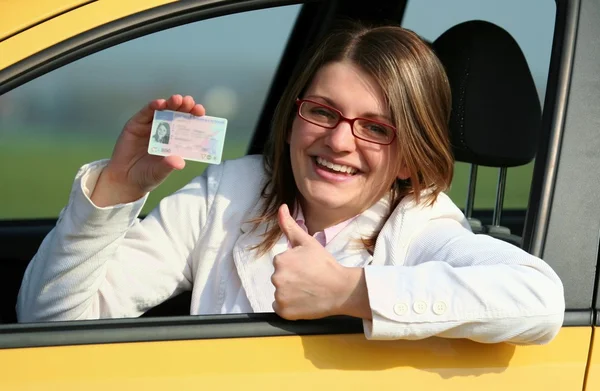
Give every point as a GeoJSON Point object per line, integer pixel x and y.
{"type": "Point", "coordinates": [146, 114]}
{"type": "Point", "coordinates": [184, 104]}
{"type": "Point", "coordinates": [174, 162]}
{"type": "Point", "coordinates": [295, 234]}
{"type": "Point", "coordinates": [285, 311]}
{"type": "Point", "coordinates": [187, 104]}
{"type": "Point", "coordinates": [198, 110]}
{"type": "Point", "coordinates": [174, 102]}
{"type": "Point", "coordinates": [284, 224]}
{"type": "Point", "coordinates": [159, 172]}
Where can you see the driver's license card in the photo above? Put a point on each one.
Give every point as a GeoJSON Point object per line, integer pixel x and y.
{"type": "Point", "coordinates": [193, 138]}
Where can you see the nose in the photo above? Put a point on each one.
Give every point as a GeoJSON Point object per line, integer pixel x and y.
{"type": "Point", "coordinates": [340, 138]}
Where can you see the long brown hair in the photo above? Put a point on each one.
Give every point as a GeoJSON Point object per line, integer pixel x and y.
{"type": "Point", "coordinates": [417, 93]}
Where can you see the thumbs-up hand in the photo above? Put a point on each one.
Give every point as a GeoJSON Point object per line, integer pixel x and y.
{"type": "Point", "coordinates": [309, 283]}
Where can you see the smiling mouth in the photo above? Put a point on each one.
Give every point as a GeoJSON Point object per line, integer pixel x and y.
{"type": "Point", "coordinates": [335, 168]}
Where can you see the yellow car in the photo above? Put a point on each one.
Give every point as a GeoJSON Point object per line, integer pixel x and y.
{"type": "Point", "coordinates": [71, 72]}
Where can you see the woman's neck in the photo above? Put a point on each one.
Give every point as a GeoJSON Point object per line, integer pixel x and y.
{"type": "Point", "coordinates": [317, 219]}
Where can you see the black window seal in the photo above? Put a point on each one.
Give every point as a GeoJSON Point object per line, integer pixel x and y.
{"type": "Point", "coordinates": [191, 328]}
{"type": "Point", "coordinates": [553, 120]}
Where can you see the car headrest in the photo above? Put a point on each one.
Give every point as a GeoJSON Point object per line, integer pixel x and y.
{"type": "Point", "coordinates": [496, 114]}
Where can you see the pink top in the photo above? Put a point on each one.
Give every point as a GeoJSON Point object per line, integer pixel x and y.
{"type": "Point", "coordinates": [327, 234]}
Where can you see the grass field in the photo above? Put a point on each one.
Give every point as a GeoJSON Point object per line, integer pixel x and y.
{"type": "Point", "coordinates": [36, 178]}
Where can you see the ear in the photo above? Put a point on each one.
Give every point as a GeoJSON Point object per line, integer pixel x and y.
{"type": "Point", "coordinates": [404, 173]}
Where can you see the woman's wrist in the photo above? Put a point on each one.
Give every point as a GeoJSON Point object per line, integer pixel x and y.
{"type": "Point", "coordinates": [355, 296]}
{"type": "Point", "coordinates": [109, 191]}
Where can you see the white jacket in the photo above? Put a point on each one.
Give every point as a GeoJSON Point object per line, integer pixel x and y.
{"type": "Point", "coordinates": [429, 274]}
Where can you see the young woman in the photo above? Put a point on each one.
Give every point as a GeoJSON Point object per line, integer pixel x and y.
{"type": "Point", "coordinates": [163, 133]}
{"type": "Point", "coordinates": [344, 214]}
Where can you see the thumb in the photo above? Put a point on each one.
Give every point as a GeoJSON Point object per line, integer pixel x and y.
{"type": "Point", "coordinates": [159, 171]}
{"type": "Point", "coordinates": [295, 234]}
{"type": "Point", "coordinates": [173, 162]}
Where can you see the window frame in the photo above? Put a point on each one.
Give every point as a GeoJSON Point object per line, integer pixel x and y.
{"type": "Point", "coordinates": [303, 34]}
{"type": "Point", "coordinates": [125, 29]}
{"type": "Point", "coordinates": [563, 227]}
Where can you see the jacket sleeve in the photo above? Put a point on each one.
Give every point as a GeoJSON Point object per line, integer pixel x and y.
{"type": "Point", "coordinates": [105, 262]}
{"type": "Point", "coordinates": [456, 284]}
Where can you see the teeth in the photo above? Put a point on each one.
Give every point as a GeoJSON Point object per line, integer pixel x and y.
{"type": "Point", "coordinates": [336, 167]}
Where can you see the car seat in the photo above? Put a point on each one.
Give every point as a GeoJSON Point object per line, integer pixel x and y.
{"type": "Point", "coordinates": [496, 114]}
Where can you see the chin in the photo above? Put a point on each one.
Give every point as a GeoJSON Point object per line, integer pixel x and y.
{"type": "Point", "coordinates": [327, 200]}
{"type": "Point", "coordinates": [328, 203]}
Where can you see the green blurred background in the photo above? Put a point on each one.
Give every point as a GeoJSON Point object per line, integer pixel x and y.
{"type": "Point", "coordinates": [41, 173]}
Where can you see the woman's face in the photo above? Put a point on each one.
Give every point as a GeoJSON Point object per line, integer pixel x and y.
{"type": "Point", "coordinates": [342, 194]}
{"type": "Point", "coordinates": [161, 131]}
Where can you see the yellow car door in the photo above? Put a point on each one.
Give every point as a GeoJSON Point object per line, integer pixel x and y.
{"type": "Point", "coordinates": [71, 71]}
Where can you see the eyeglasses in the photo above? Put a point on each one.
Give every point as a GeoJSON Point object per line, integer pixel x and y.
{"type": "Point", "coordinates": [329, 118]}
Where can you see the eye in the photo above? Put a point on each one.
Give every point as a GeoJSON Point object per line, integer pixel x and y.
{"type": "Point", "coordinates": [377, 129]}
{"type": "Point", "coordinates": [319, 111]}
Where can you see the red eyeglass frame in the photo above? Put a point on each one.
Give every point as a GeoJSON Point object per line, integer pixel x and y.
{"type": "Point", "coordinates": [344, 119]}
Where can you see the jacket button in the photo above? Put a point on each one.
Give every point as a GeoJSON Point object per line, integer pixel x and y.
{"type": "Point", "coordinates": [440, 307]}
{"type": "Point", "coordinates": [401, 309]}
{"type": "Point", "coordinates": [420, 306]}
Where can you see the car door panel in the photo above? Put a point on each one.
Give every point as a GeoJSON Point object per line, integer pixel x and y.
{"type": "Point", "coordinates": [15, 19]}
{"type": "Point", "coordinates": [301, 363]}
{"type": "Point", "coordinates": [67, 25]}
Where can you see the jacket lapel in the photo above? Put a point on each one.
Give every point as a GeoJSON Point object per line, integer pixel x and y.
{"type": "Point", "coordinates": [346, 247]}
{"type": "Point", "coordinates": [255, 272]}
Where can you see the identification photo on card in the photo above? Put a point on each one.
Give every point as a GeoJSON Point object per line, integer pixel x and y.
{"type": "Point", "coordinates": [194, 138]}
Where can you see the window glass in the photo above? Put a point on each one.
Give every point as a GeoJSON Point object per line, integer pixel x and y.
{"type": "Point", "coordinates": [531, 23]}
{"type": "Point", "coordinates": [51, 126]}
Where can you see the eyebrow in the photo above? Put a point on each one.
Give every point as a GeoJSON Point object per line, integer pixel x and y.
{"type": "Point", "coordinates": [330, 102]}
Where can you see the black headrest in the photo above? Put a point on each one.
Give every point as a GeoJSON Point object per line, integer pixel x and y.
{"type": "Point", "coordinates": [496, 113]}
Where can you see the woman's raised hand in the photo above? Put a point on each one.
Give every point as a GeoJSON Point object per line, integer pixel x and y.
{"type": "Point", "coordinates": [132, 172]}
{"type": "Point", "coordinates": [310, 283]}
